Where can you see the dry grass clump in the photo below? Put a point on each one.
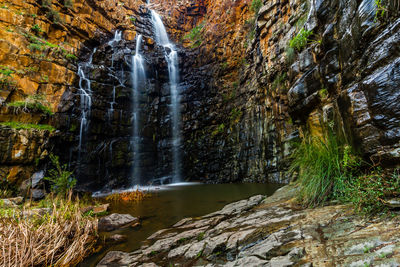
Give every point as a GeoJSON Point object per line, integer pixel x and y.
{"type": "Point", "coordinates": [62, 238]}
{"type": "Point", "coordinates": [134, 196]}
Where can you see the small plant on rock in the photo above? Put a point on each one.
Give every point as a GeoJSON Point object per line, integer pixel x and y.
{"type": "Point", "coordinates": [46, 3]}
{"type": "Point", "coordinates": [6, 80]}
{"type": "Point", "coordinates": [71, 57]}
{"type": "Point", "coordinates": [36, 29]}
{"type": "Point", "coordinates": [60, 178]}
{"type": "Point", "coordinates": [380, 10]}
{"type": "Point", "coordinates": [236, 115]}
{"type": "Point", "coordinates": [35, 103]}
{"type": "Point", "coordinates": [68, 4]}
{"type": "Point", "coordinates": [300, 40]}
{"type": "Point", "coordinates": [256, 5]}
{"type": "Point", "coordinates": [54, 16]}
{"type": "Point", "coordinates": [195, 35]}
{"type": "Point", "coordinates": [7, 189]}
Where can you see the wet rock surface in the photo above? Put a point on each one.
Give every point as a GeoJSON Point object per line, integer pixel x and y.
{"type": "Point", "coordinates": [115, 221]}
{"type": "Point", "coordinates": [270, 232]}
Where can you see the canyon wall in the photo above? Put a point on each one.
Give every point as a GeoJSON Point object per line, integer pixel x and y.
{"type": "Point", "coordinates": [263, 93]}
{"type": "Point", "coordinates": [247, 94]}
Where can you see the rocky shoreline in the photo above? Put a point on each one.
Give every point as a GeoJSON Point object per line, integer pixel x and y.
{"type": "Point", "coordinates": [273, 231]}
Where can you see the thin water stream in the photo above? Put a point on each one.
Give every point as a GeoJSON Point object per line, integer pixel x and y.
{"type": "Point", "coordinates": [85, 92]}
{"type": "Point", "coordinates": [139, 81]}
{"type": "Point", "coordinates": [167, 206]}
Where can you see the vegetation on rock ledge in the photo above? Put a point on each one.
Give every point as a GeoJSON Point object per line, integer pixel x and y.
{"type": "Point", "coordinates": [27, 126]}
{"type": "Point", "coordinates": [33, 103]}
{"type": "Point", "coordinates": [328, 169]}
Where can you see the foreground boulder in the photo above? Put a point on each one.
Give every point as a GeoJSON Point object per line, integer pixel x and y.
{"type": "Point", "coordinates": [270, 232]}
{"type": "Point", "coordinates": [115, 221]}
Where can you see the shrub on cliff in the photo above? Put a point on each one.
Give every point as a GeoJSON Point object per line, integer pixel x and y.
{"type": "Point", "coordinates": [68, 3]}
{"type": "Point", "coordinates": [300, 40]}
{"type": "Point", "coordinates": [60, 178]}
{"type": "Point", "coordinates": [46, 3]}
{"type": "Point", "coordinates": [54, 16]}
{"type": "Point", "coordinates": [195, 35]}
{"type": "Point", "coordinates": [36, 29]}
{"type": "Point", "coordinates": [27, 126]}
{"type": "Point", "coordinates": [6, 80]}
{"type": "Point", "coordinates": [256, 5]}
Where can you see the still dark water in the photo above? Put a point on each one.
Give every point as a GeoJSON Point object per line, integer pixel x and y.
{"type": "Point", "coordinates": [170, 204]}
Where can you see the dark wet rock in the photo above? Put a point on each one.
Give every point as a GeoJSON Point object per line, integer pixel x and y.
{"type": "Point", "coordinates": [114, 258]}
{"type": "Point", "coordinates": [38, 194]}
{"type": "Point", "coordinates": [37, 179]}
{"type": "Point", "coordinates": [115, 221]}
{"type": "Point", "coordinates": [116, 238]}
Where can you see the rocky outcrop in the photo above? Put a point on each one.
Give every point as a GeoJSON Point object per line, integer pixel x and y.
{"type": "Point", "coordinates": [21, 150]}
{"type": "Point", "coordinates": [269, 232]}
{"type": "Point", "coordinates": [246, 92]}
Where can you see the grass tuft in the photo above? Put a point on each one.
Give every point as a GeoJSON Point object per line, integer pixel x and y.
{"type": "Point", "coordinates": [320, 163]}
{"type": "Point", "coordinates": [30, 106]}
{"type": "Point", "coordinates": [62, 237]}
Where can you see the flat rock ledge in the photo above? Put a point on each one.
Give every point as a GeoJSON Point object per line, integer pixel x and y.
{"type": "Point", "coordinates": [271, 231]}
{"type": "Point", "coordinates": [115, 221]}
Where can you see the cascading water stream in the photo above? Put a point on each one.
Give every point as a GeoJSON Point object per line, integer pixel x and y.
{"type": "Point", "coordinates": [171, 56]}
{"type": "Point", "coordinates": [138, 80]}
{"type": "Point", "coordinates": [85, 93]}
{"type": "Point", "coordinates": [113, 42]}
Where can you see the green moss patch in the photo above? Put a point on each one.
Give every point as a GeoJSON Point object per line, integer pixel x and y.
{"type": "Point", "coordinates": [27, 126]}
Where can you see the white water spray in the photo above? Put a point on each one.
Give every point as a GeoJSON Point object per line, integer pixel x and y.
{"type": "Point", "coordinates": [113, 42]}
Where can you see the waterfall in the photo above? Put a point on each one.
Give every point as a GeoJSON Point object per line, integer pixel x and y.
{"type": "Point", "coordinates": [113, 42]}
{"type": "Point", "coordinates": [85, 93]}
{"type": "Point", "coordinates": [171, 56]}
{"type": "Point", "coordinates": [138, 80]}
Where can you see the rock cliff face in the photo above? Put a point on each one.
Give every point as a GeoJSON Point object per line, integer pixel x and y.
{"type": "Point", "coordinates": [343, 77]}
{"type": "Point", "coordinates": [246, 93]}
